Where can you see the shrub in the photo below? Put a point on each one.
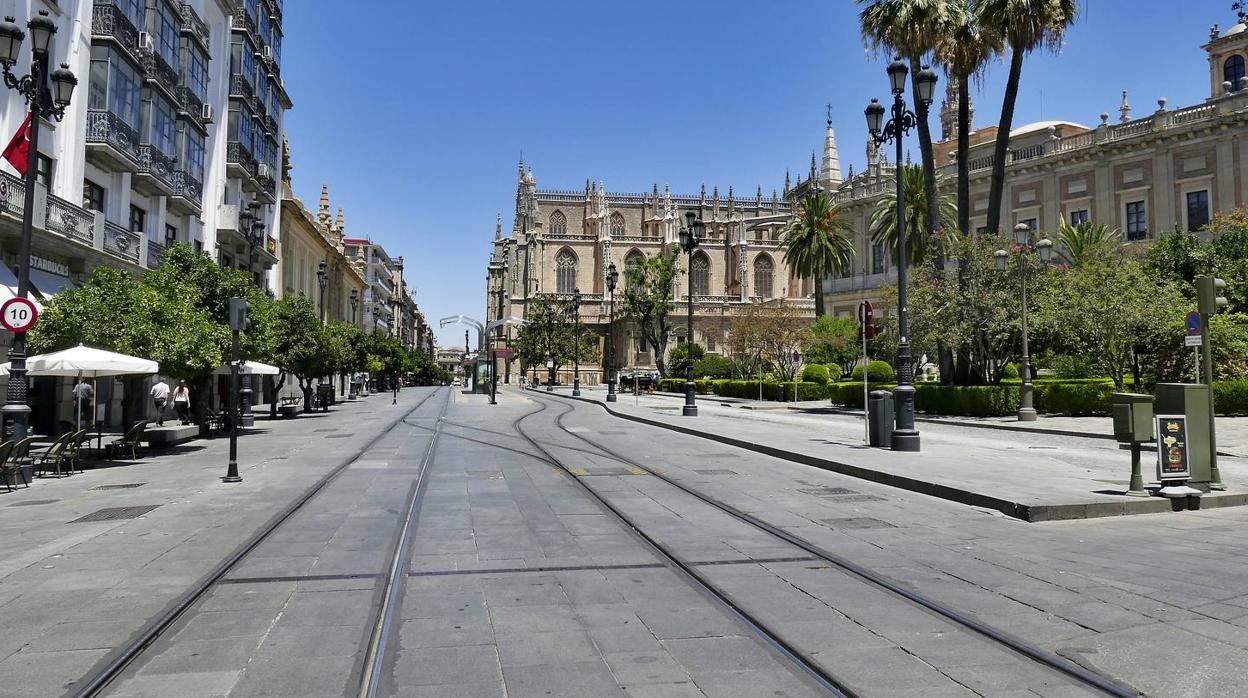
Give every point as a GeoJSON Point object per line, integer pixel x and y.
{"type": "Point", "coordinates": [1010, 371]}
{"type": "Point", "coordinates": [967, 400]}
{"type": "Point", "coordinates": [815, 373]}
{"type": "Point", "coordinates": [712, 366]}
{"type": "Point", "coordinates": [849, 393]}
{"type": "Point", "coordinates": [678, 357]}
{"type": "Point", "coordinates": [1067, 367]}
{"type": "Point", "coordinates": [1231, 397]}
{"type": "Point", "coordinates": [877, 372]}
{"type": "Point", "coordinates": [834, 372]}
{"type": "Point", "coordinates": [1077, 399]}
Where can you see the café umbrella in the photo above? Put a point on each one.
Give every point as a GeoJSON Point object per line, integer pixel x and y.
{"type": "Point", "coordinates": [85, 362]}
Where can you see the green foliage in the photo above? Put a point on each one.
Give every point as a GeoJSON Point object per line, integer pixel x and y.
{"type": "Point", "coordinates": [682, 355]}
{"type": "Point", "coordinates": [1069, 367]}
{"type": "Point", "coordinates": [818, 242]}
{"type": "Point", "coordinates": [1231, 397]}
{"type": "Point", "coordinates": [834, 372]}
{"type": "Point", "coordinates": [551, 332]}
{"type": "Point", "coordinates": [966, 400]}
{"type": "Point", "coordinates": [1179, 257]}
{"type": "Point", "coordinates": [834, 340]}
{"type": "Point", "coordinates": [1079, 243]}
{"type": "Point", "coordinates": [648, 293]}
{"type": "Point", "coordinates": [1077, 399]}
{"type": "Point", "coordinates": [1010, 371]}
{"type": "Point", "coordinates": [815, 373]}
{"type": "Point", "coordinates": [918, 242]}
{"type": "Point", "coordinates": [713, 366]}
{"type": "Point", "coordinates": [878, 371]}
{"type": "Point", "coordinates": [302, 346]}
{"type": "Point", "coordinates": [1172, 361]}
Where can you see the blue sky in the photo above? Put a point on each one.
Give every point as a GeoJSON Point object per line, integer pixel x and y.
{"type": "Point", "coordinates": [417, 123]}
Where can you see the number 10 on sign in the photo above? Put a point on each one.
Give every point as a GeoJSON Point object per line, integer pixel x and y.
{"type": "Point", "coordinates": [18, 314]}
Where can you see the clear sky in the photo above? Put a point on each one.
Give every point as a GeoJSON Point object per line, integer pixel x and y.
{"type": "Point", "coordinates": [416, 112]}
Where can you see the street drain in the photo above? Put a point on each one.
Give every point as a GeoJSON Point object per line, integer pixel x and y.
{"type": "Point", "coordinates": [34, 502]}
{"type": "Point", "coordinates": [851, 498]}
{"type": "Point", "coordinates": [123, 486]}
{"type": "Point", "coordinates": [116, 513]}
{"type": "Point", "coordinates": [857, 523]}
{"type": "Point", "coordinates": [826, 491]}
{"type": "Point", "coordinates": [715, 471]}
{"type": "Point", "coordinates": [339, 436]}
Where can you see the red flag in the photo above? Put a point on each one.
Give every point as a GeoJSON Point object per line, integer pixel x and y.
{"type": "Point", "coordinates": [18, 150]}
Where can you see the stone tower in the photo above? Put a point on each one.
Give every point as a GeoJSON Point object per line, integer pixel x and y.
{"type": "Point", "coordinates": [830, 172]}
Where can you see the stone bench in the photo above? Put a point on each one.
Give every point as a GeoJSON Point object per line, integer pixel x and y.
{"type": "Point", "coordinates": [164, 437]}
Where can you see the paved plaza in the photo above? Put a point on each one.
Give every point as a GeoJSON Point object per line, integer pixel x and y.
{"type": "Point", "coordinates": [553, 549]}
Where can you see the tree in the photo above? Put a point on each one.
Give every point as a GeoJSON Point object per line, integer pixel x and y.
{"type": "Point", "coordinates": [682, 356]}
{"type": "Point", "coordinates": [884, 217]}
{"type": "Point", "coordinates": [302, 347]}
{"type": "Point", "coordinates": [834, 340]}
{"type": "Point", "coordinates": [1179, 257]}
{"type": "Point", "coordinates": [1083, 241]}
{"type": "Point", "coordinates": [648, 302]}
{"type": "Point", "coordinates": [1170, 360]}
{"type": "Point", "coordinates": [1105, 308]}
{"type": "Point", "coordinates": [816, 243]}
{"type": "Point", "coordinates": [773, 332]}
{"type": "Point", "coordinates": [908, 28]}
{"type": "Point", "coordinates": [551, 333]}
{"type": "Point", "coordinates": [1023, 25]}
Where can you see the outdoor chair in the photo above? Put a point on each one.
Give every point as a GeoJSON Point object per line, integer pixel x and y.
{"type": "Point", "coordinates": [216, 420]}
{"type": "Point", "coordinates": [132, 441]}
{"type": "Point", "coordinates": [9, 469]}
{"type": "Point", "coordinates": [21, 452]}
{"type": "Point", "coordinates": [73, 451]}
{"type": "Point", "coordinates": [54, 456]}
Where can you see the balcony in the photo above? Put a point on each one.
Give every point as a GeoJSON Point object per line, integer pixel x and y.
{"type": "Point", "coordinates": [111, 142]}
{"type": "Point", "coordinates": [195, 27]}
{"type": "Point", "coordinates": [155, 173]}
{"type": "Point", "coordinates": [74, 222]}
{"type": "Point", "coordinates": [240, 88]}
{"type": "Point", "coordinates": [240, 164]}
{"type": "Point", "coordinates": [155, 254]}
{"type": "Point", "coordinates": [108, 22]}
{"type": "Point", "coordinates": [121, 242]}
{"type": "Point", "coordinates": [243, 21]}
{"type": "Point", "coordinates": [158, 72]}
{"type": "Point", "coordinates": [188, 194]}
{"type": "Point", "coordinates": [191, 108]}
{"type": "Point", "coordinates": [266, 181]}
{"type": "Point", "coordinates": [12, 194]}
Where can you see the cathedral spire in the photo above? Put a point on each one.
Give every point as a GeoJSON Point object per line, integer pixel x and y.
{"type": "Point", "coordinates": [814, 171]}
{"type": "Point", "coordinates": [787, 184]}
{"type": "Point", "coordinates": [830, 173]}
{"type": "Point", "coordinates": [339, 225]}
{"type": "Point", "coordinates": [498, 226]}
{"type": "Point", "coordinates": [322, 214]}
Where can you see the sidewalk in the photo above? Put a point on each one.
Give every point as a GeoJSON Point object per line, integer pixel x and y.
{"type": "Point", "coordinates": [1035, 476]}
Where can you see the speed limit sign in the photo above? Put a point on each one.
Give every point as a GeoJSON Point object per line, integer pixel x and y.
{"type": "Point", "coordinates": [18, 314]}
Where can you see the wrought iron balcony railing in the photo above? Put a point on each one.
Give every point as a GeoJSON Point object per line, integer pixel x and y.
{"type": "Point", "coordinates": [107, 20]}
{"type": "Point", "coordinates": [240, 86]}
{"type": "Point", "coordinates": [74, 222]}
{"type": "Point", "coordinates": [12, 194]}
{"type": "Point", "coordinates": [187, 187]}
{"type": "Point", "coordinates": [105, 127]}
{"type": "Point", "coordinates": [195, 27]}
{"type": "Point", "coordinates": [190, 105]}
{"type": "Point", "coordinates": [155, 254]}
{"type": "Point", "coordinates": [157, 70]}
{"type": "Point", "coordinates": [238, 154]}
{"type": "Point", "coordinates": [157, 164]}
{"type": "Point", "coordinates": [121, 242]}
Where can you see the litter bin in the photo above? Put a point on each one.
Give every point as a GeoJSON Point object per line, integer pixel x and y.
{"type": "Point", "coordinates": [325, 395]}
{"type": "Point", "coordinates": [881, 418]}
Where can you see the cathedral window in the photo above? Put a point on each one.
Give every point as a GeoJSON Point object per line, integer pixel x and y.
{"type": "Point", "coordinates": [634, 259]}
{"type": "Point", "coordinates": [565, 272]}
{"type": "Point", "coordinates": [764, 272]}
{"type": "Point", "coordinates": [617, 224]}
{"type": "Point", "coordinates": [700, 276]}
{"type": "Point", "coordinates": [1233, 71]}
{"type": "Point", "coordinates": [558, 223]}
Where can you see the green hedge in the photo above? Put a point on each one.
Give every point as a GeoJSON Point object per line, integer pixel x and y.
{"type": "Point", "coordinates": [815, 373]}
{"type": "Point", "coordinates": [877, 372]}
{"type": "Point", "coordinates": [1231, 397]}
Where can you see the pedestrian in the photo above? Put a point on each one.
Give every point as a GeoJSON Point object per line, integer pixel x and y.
{"type": "Point", "coordinates": [160, 395]}
{"type": "Point", "coordinates": [182, 402]}
{"type": "Point", "coordinates": [84, 394]}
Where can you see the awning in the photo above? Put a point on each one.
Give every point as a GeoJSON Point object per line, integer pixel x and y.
{"type": "Point", "coordinates": [8, 286]}
{"type": "Point", "coordinates": [48, 284]}
{"type": "Point", "coordinates": [87, 362]}
{"type": "Point", "coordinates": [249, 368]}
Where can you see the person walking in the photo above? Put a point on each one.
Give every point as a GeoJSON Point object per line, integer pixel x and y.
{"type": "Point", "coordinates": [182, 402]}
{"type": "Point", "coordinates": [160, 395]}
{"type": "Point", "coordinates": [84, 395]}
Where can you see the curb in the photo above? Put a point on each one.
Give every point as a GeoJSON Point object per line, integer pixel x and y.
{"type": "Point", "coordinates": [1032, 513]}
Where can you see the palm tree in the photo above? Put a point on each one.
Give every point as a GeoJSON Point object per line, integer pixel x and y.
{"type": "Point", "coordinates": [1023, 25]}
{"type": "Point", "coordinates": [816, 243]}
{"type": "Point", "coordinates": [1084, 241]}
{"type": "Point", "coordinates": [963, 50]}
{"type": "Point", "coordinates": [908, 28]}
{"type": "Point", "coordinates": [918, 239]}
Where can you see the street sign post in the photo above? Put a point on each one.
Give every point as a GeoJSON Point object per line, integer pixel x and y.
{"type": "Point", "coordinates": [18, 314]}
{"type": "Point", "coordinates": [1195, 338]}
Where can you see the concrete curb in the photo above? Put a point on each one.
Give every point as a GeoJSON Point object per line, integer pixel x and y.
{"type": "Point", "coordinates": [1033, 513]}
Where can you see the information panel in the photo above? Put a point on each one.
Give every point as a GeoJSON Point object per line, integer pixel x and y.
{"type": "Point", "coordinates": [1172, 462]}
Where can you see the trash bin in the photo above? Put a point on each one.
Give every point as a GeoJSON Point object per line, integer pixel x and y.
{"type": "Point", "coordinates": [325, 395]}
{"type": "Point", "coordinates": [881, 418]}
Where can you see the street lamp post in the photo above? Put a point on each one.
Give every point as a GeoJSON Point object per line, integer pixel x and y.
{"type": "Point", "coordinates": [576, 343]}
{"type": "Point", "coordinates": [613, 277]}
{"type": "Point", "coordinates": [550, 349]}
{"type": "Point", "coordinates": [322, 279]}
{"type": "Point", "coordinates": [355, 303]}
{"type": "Point", "coordinates": [905, 436]}
{"type": "Point", "coordinates": [254, 233]}
{"type": "Point", "coordinates": [44, 103]}
{"type": "Point", "coordinates": [1022, 236]}
{"type": "Point", "coordinates": [689, 242]}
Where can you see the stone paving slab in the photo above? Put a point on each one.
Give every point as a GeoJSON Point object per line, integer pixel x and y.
{"type": "Point", "coordinates": [1034, 477]}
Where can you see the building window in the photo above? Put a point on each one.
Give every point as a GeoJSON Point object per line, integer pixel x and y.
{"type": "Point", "coordinates": [1031, 223]}
{"type": "Point", "coordinates": [43, 170]}
{"type": "Point", "coordinates": [195, 72]}
{"type": "Point", "coordinates": [167, 28]}
{"type": "Point", "coordinates": [114, 86]}
{"type": "Point", "coordinates": [877, 258]}
{"type": "Point", "coordinates": [163, 129]}
{"type": "Point", "coordinates": [92, 196]}
{"type": "Point", "coordinates": [199, 246]}
{"type": "Point", "coordinates": [565, 272]}
{"type": "Point", "coordinates": [138, 220]}
{"type": "Point", "coordinates": [171, 235]}
{"type": "Point", "coordinates": [982, 229]}
{"type": "Point", "coordinates": [132, 9]}
{"type": "Point", "coordinates": [1233, 71]}
{"type": "Point", "coordinates": [558, 223]}
{"type": "Point", "coordinates": [617, 224]}
{"type": "Point", "coordinates": [1197, 209]}
{"type": "Point", "coordinates": [700, 276]}
{"type": "Point", "coordinates": [1080, 216]}
{"type": "Point", "coordinates": [194, 153]}
{"type": "Point", "coordinates": [764, 273]}
{"type": "Point", "coordinates": [1137, 221]}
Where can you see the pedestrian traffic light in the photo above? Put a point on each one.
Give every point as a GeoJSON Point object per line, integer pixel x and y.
{"type": "Point", "coordinates": [1209, 298]}
{"type": "Point", "coordinates": [240, 318]}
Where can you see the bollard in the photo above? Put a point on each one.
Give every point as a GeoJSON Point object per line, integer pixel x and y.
{"type": "Point", "coordinates": [881, 418]}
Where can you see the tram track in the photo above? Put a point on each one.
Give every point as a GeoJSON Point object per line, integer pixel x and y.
{"type": "Point", "coordinates": [114, 665]}
{"type": "Point", "coordinates": [1061, 665]}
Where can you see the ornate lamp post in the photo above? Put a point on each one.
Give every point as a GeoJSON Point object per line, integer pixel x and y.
{"type": "Point", "coordinates": [1022, 236]}
{"type": "Point", "coordinates": [550, 350]}
{"type": "Point", "coordinates": [905, 436]}
{"type": "Point", "coordinates": [44, 103]}
{"type": "Point", "coordinates": [355, 303]}
{"type": "Point", "coordinates": [576, 343]}
{"type": "Point", "coordinates": [689, 239]}
{"type": "Point", "coordinates": [613, 277]}
{"type": "Point", "coordinates": [255, 233]}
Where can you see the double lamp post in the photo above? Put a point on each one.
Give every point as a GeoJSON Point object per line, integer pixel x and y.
{"type": "Point", "coordinates": [1022, 236]}
{"type": "Point", "coordinates": [689, 238]}
{"type": "Point", "coordinates": [45, 102]}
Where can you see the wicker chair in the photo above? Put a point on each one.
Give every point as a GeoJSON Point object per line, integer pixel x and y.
{"type": "Point", "coordinates": [73, 452]}
{"type": "Point", "coordinates": [52, 458]}
{"type": "Point", "coordinates": [132, 441]}
{"type": "Point", "coordinates": [9, 469]}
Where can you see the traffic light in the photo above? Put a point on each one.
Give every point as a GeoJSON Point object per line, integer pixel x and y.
{"type": "Point", "coordinates": [1209, 298]}
{"type": "Point", "coordinates": [239, 314]}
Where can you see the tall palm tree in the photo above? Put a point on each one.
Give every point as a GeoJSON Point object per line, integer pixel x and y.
{"type": "Point", "coordinates": [1023, 26]}
{"type": "Point", "coordinates": [1084, 241]}
{"type": "Point", "coordinates": [963, 49]}
{"type": "Point", "coordinates": [918, 239]}
{"type": "Point", "coordinates": [908, 28]}
{"type": "Point", "coordinates": [816, 243]}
